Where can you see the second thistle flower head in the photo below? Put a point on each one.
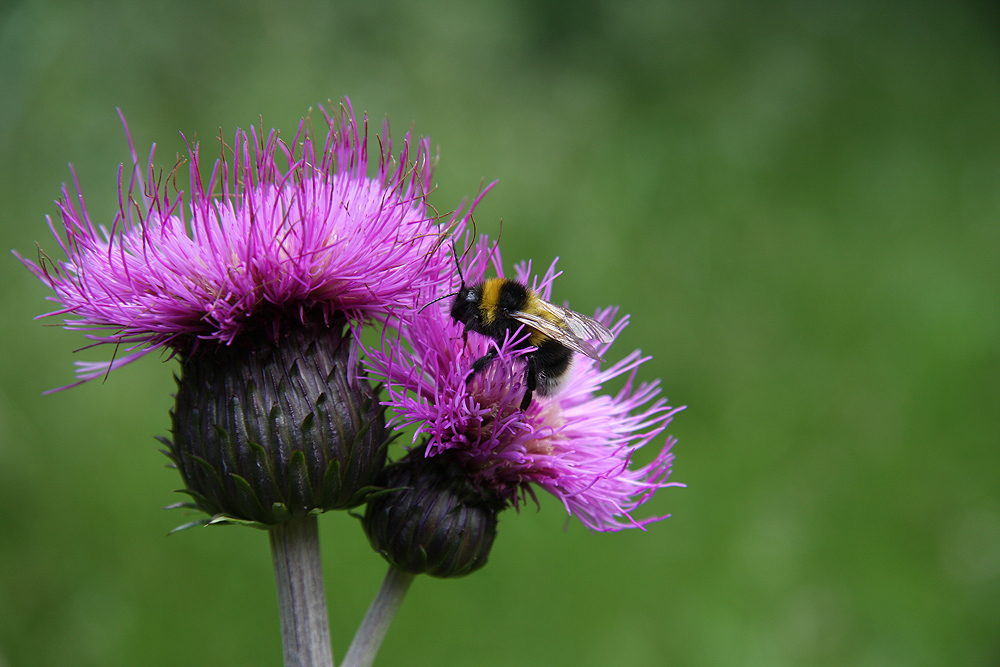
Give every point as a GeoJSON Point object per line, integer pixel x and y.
{"type": "Point", "coordinates": [258, 278]}
{"type": "Point", "coordinates": [576, 444]}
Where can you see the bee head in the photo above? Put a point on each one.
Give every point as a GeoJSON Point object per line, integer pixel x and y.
{"type": "Point", "coordinates": [465, 308]}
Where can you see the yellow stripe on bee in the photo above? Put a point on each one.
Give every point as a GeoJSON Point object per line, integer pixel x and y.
{"type": "Point", "coordinates": [532, 306]}
{"type": "Point", "coordinates": [491, 298]}
{"type": "Point", "coordinates": [536, 339]}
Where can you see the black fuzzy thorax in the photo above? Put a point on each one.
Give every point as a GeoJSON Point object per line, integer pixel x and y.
{"type": "Point", "coordinates": [486, 307]}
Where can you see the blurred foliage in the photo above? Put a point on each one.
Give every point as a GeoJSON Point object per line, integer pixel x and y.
{"type": "Point", "coordinates": [797, 201]}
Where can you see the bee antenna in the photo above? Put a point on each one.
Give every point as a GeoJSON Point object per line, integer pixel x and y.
{"type": "Point", "coordinates": [437, 299]}
{"type": "Point", "coordinates": [458, 266]}
{"type": "Point", "coordinates": [475, 236]}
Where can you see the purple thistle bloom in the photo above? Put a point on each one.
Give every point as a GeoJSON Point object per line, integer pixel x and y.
{"type": "Point", "coordinates": [279, 231]}
{"type": "Point", "coordinates": [259, 279]}
{"type": "Point", "coordinates": [577, 444]}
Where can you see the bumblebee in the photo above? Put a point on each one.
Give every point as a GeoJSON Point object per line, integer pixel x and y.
{"type": "Point", "coordinates": [496, 308]}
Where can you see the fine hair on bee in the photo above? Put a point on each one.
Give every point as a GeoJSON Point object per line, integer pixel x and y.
{"type": "Point", "coordinates": [498, 307]}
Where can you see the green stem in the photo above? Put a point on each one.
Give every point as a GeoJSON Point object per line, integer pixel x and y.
{"type": "Point", "coordinates": [305, 631]}
{"type": "Point", "coordinates": [383, 609]}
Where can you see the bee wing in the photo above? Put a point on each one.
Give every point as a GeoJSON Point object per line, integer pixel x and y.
{"type": "Point", "coordinates": [572, 329]}
{"type": "Point", "coordinates": [582, 326]}
{"type": "Point", "coordinates": [557, 333]}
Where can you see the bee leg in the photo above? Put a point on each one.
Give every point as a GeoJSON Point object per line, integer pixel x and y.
{"type": "Point", "coordinates": [481, 363]}
{"type": "Point", "coordinates": [531, 381]}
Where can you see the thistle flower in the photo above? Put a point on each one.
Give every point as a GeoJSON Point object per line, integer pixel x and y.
{"type": "Point", "coordinates": [259, 279]}
{"type": "Point", "coordinates": [285, 232]}
{"type": "Point", "coordinates": [576, 445]}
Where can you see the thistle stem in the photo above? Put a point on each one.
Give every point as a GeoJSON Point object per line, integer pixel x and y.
{"type": "Point", "coordinates": [376, 623]}
{"type": "Point", "coordinates": [305, 631]}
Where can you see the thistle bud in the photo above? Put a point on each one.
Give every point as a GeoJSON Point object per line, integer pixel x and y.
{"type": "Point", "coordinates": [268, 430]}
{"type": "Point", "coordinates": [430, 520]}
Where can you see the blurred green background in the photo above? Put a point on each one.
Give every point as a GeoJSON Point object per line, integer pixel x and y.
{"type": "Point", "coordinates": [798, 202]}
